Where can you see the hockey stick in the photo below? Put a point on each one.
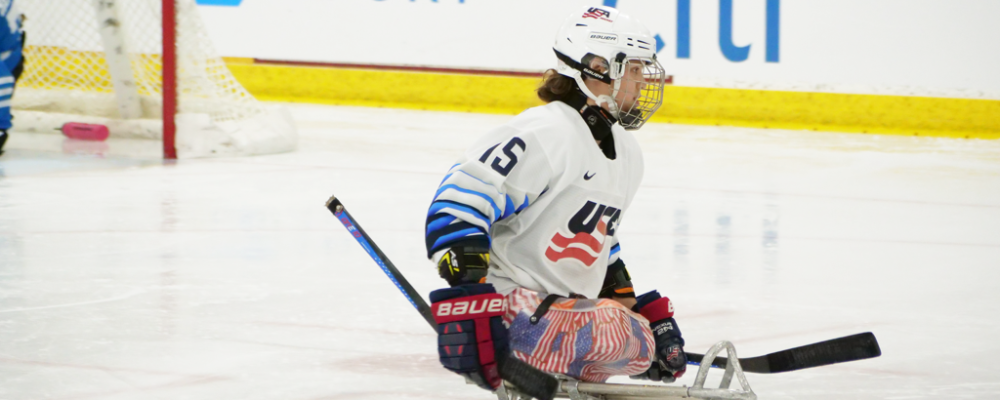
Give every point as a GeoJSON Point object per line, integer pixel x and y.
{"type": "Point", "coordinates": [526, 378]}
{"type": "Point", "coordinates": [849, 348]}
{"type": "Point", "coordinates": [337, 208]}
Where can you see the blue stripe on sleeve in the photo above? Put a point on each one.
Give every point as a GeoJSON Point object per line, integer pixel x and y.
{"type": "Point", "coordinates": [440, 223]}
{"type": "Point", "coordinates": [445, 179]}
{"type": "Point", "coordinates": [523, 205]}
{"type": "Point", "coordinates": [456, 235]}
{"type": "Point", "coordinates": [448, 236]}
{"type": "Point", "coordinates": [508, 207]}
{"type": "Point", "coordinates": [614, 250]}
{"type": "Point", "coordinates": [496, 210]}
{"type": "Point", "coordinates": [449, 174]}
{"type": "Point", "coordinates": [438, 206]}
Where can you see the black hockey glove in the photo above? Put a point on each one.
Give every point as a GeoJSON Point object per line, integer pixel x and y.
{"type": "Point", "coordinates": [464, 264]}
{"type": "Point", "coordinates": [471, 334]}
{"type": "Point", "coordinates": [671, 362]}
{"type": "Point", "coordinates": [617, 282]}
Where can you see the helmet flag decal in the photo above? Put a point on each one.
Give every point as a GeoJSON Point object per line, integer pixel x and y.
{"type": "Point", "coordinates": [597, 13]}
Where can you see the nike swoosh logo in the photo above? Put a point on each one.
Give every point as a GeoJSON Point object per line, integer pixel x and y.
{"type": "Point", "coordinates": [587, 178]}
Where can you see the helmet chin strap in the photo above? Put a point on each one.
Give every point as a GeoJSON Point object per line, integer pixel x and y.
{"type": "Point", "coordinates": [601, 100]}
{"type": "Point", "coordinates": [598, 120]}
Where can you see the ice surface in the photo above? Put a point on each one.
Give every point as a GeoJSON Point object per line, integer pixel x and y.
{"type": "Point", "coordinates": [125, 277]}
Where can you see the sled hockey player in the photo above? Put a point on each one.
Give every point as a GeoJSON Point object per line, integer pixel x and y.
{"type": "Point", "coordinates": [524, 226]}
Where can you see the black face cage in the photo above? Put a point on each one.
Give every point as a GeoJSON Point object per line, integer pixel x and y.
{"type": "Point", "coordinates": [647, 92]}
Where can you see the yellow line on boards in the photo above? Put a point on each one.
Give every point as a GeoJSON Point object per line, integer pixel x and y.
{"type": "Point", "coordinates": [379, 88]}
{"type": "Point", "coordinates": [892, 115]}
{"type": "Point", "coordinates": [895, 115]}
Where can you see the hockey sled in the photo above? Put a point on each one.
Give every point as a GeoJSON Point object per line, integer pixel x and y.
{"type": "Point", "coordinates": [569, 388]}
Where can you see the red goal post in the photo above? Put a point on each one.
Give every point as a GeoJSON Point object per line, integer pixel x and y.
{"type": "Point", "coordinates": [169, 78]}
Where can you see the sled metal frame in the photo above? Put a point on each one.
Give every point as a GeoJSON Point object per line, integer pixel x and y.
{"type": "Point", "coordinates": [575, 390]}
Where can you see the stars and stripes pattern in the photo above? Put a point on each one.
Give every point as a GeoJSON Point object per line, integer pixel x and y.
{"type": "Point", "coordinates": [590, 340]}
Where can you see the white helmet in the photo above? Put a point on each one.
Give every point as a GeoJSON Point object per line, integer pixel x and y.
{"type": "Point", "coordinates": [602, 43]}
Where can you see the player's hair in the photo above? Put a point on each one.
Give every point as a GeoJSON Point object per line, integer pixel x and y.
{"type": "Point", "coordinates": [556, 86]}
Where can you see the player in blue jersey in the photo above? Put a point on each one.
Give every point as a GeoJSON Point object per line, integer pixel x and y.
{"type": "Point", "coordinates": [11, 61]}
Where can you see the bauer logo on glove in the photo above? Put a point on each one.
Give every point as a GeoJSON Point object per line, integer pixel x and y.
{"type": "Point", "coordinates": [471, 333]}
{"type": "Point", "coordinates": [469, 308]}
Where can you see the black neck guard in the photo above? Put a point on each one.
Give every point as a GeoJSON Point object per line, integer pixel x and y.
{"type": "Point", "coordinates": [597, 119]}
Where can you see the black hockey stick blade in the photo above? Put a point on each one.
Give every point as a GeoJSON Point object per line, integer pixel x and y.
{"type": "Point", "coordinates": [527, 379]}
{"type": "Point", "coordinates": [338, 210]}
{"type": "Point", "coordinates": [849, 348]}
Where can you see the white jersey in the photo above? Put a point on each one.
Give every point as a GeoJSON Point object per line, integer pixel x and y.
{"type": "Point", "coordinates": [546, 200]}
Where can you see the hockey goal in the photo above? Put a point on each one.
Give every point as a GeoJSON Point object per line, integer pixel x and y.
{"type": "Point", "coordinates": [145, 69]}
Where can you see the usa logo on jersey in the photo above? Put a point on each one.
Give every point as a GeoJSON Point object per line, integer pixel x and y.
{"type": "Point", "coordinates": [590, 227]}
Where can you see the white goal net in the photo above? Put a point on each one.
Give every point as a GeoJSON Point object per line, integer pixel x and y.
{"type": "Point", "coordinates": [100, 61]}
